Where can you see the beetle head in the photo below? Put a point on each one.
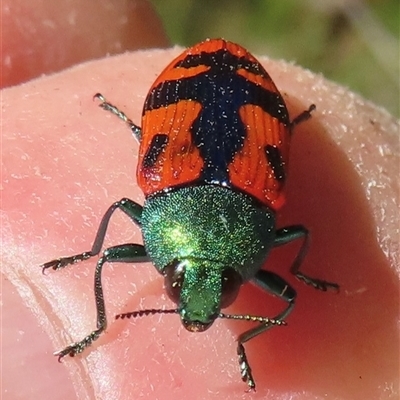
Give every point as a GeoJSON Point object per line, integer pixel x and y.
{"type": "Point", "coordinates": [200, 289]}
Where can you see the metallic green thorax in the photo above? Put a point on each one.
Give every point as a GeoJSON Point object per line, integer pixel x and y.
{"type": "Point", "coordinates": [206, 228]}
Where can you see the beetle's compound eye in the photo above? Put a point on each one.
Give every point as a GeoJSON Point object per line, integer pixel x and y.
{"type": "Point", "coordinates": [173, 280]}
{"type": "Point", "coordinates": [231, 282]}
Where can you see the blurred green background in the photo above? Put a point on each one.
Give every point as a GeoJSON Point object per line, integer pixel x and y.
{"type": "Point", "coordinates": [353, 42]}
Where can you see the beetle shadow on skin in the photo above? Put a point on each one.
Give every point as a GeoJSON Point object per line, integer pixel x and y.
{"type": "Point", "coordinates": [336, 343]}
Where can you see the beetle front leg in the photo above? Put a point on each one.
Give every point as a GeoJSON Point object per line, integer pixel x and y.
{"type": "Point", "coordinates": [125, 253]}
{"type": "Point", "coordinates": [129, 207]}
{"type": "Point", "coordinates": [274, 284]}
{"type": "Point", "coordinates": [290, 233]}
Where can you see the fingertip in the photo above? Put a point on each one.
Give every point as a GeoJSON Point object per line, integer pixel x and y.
{"type": "Point", "coordinates": [39, 38]}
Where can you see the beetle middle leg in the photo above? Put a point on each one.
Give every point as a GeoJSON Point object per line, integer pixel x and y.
{"type": "Point", "coordinates": [125, 253]}
{"type": "Point", "coordinates": [129, 207]}
{"type": "Point", "coordinates": [290, 233]}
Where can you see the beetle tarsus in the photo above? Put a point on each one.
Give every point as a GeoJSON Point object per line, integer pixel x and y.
{"type": "Point", "coordinates": [61, 263]}
{"type": "Point", "coordinates": [75, 348]}
{"type": "Point", "coordinates": [318, 284]}
{"type": "Point", "coordinates": [304, 116]}
{"type": "Point", "coordinates": [245, 369]}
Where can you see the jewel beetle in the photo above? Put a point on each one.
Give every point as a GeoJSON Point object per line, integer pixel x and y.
{"type": "Point", "coordinates": [213, 161]}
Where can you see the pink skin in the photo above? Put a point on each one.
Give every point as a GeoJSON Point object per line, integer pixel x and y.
{"type": "Point", "coordinates": [43, 36]}
{"type": "Point", "coordinates": [65, 161]}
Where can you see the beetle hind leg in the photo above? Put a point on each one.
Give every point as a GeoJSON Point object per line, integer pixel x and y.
{"type": "Point", "coordinates": [302, 117]}
{"type": "Point", "coordinates": [105, 105]}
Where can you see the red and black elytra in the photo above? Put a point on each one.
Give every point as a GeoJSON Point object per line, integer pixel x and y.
{"type": "Point", "coordinates": [213, 160]}
{"type": "Point", "coordinates": [214, 115]}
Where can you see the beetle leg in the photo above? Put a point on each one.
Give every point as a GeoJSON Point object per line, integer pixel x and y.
{"type": "Point", "coordinates": [274, 284]}
{"type": "Point", "coordinates": [126, 253]}
{"type": "Point", "coordinates": [290, 233]}
{"type": "Point", "coordinates": [303, 116]}
{"type": "Point", "coordinates": [129, 207]}
{"type": "Point", "coordinates": [105, 105]}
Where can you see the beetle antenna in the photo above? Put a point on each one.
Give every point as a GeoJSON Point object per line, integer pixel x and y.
{"type": "Point", "coordinates": [142, 313]}
{"type": "Point", "coordinates": [254, 318]}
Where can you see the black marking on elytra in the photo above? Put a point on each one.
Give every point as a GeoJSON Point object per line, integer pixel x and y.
{"type": "Point", "coordinates": [274, 158]}
{"type": "Point", "coordinates": [218, 131]}
{"type": "Point", "coordinates": [157, 145]}
{"type": "Point", "coordinates": [230, 62]}
{"type": "Point", "coordinates": [222, 64]}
